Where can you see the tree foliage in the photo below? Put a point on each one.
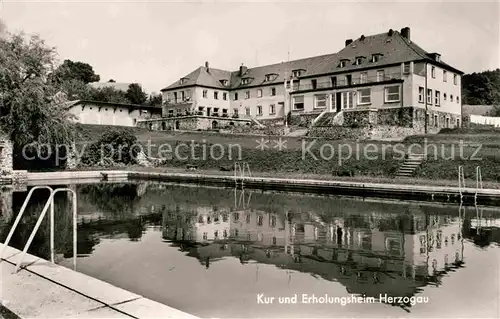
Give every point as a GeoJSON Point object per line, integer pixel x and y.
{"type": "Point", "coordinates": [481, 88]}
{"type": "Point", "coordinates": [79, 71]}
{"type": "Point", "coordinates": [30, 108]}
{"type": "Point", "coordinates": [135, 94]}
{"type": "Point", "coordinates": [155, 99]}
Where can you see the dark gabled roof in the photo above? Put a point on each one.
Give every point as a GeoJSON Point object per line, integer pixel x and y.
{"type": "Point", "coordinates": [393, 49]}
{"type": "Point", "coordinates": [203, 76]}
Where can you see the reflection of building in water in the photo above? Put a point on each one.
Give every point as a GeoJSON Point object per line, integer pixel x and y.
{"type": "Point", "coordinates": [370, 254]}
{"type": "Point", "coordinates": [202, 224]}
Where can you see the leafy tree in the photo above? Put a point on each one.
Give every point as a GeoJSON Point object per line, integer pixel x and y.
{"type": "Point", "coordinates": [111, 81]}
{"type": "Point", "coordinates": [108, 94]}
{"type": "Point", "coordinates": [135, 94]}
{"type": "Point", "coordinates": [481, 88]}
{"type": "Point", "coordinates": [80, 71]}
{"type": "Point", "coordinates": [30, 108]}
{"type": "Point", "coordinates": [155, 99]}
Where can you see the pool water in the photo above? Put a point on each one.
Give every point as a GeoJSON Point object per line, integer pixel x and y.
{"type": "Point", "coordinates": [228, 253]}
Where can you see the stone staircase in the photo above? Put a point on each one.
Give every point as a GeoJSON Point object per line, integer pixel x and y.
{"type": "Point", "coordinates": [329, 119]}
{"type": "Point", "coordinates": [298, 132]}
{"type": "Point", "coordinates": [411, 162]}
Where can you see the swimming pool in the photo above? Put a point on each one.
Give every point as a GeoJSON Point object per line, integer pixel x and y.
{"type": "Point", "coordinates": [217, 252]}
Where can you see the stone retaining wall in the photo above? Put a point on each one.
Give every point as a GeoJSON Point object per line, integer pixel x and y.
{"type": "Point", "coordinates": [6, 149]}
{"type": "Point", "coordinates": [192, 123]}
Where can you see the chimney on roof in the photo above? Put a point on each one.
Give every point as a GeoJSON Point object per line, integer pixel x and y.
{"type": "Point", "coordinates": [243, 69]}
{"type": "Point", "coordinates": [405, 33]}
{"type": "Point", "coordinates": [206, 65]}
{"type": "Point", "coordinates": [362, 37]}
{"type": "Point", "coordinates": [348, 41]}
{"type": "Point", "coordinates": [390, 32]}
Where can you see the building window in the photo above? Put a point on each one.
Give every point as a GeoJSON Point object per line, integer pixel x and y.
{"type": "Point", "coordinates": [433, 72]}
{"type": "Point", "coordinates": [273, 221]}
{"type": "Point", "coordinates": [314, 84]}
{"type": "Point", "coordinates": [444, 96]}
{"type": "Point", "coordinates": [380, 75]}
{"type": "Point", "coordinates": [347, 100]}
{"type": "Point", "coordinates": [421, 92]}
{"type": "Point", "coordinates": [205, 236]}
{"type": "Point", "coordinates": [273, 91]}
{"type": "Point", "coordinates": [359, 60]}
{"type": "Point", "coordinates": [205, 93]}
{"type": "Point", "coordinates": [406, 68]}
{"type": "Point", "coordinates": [436, 123]}
{"type": "Point", "coordinates": [364, 96]}
{"type": "Point", "coordinates": [296, 73]}
{"type": "Point", "coordinates": [363, 77]}
{"type": "Point", "coordinates": [458, 100]}
{"type": "Point", "coordinates": [451, 97]}
{"type": "Point", "coordinates": [320, 100]}
{"type": "Point", "coordinates": [392, 94]}
{"type": "Point", "coordinates": [455, 79]}
{"type": "Point", "coordinates": [259, 110]}
{"type": "Point", "coordinates": [247, 111]}
{"type": "Point", "coordinates": [343, 63]}
{"type": "Point", "coordinates": [175, 97]}
{"type": "Point", "coordinates": [437, 98]}
{"type": "Point", "coordinates": [272, 109]}
{"type": "Point", "coordinates": [268, 77]}
{"type": "Point", "coordinates": [235, 111]}
{"type": "Point", "coordinates": [216, 95]}
{"type": "Point", "coordinates": [183, 95]}
{"type": "Point", "coordinates": [334, 81]}
{"type": "Point", "coordinates": [348, 79]}
{"type": "Point", "coordinates": [375, 57]}
{"type": "Point", "coordinates": [429, 96]}
{"type": "Point", "coordinates": [244, 81]}
{"type": "Point", "coordinates": [247, 95]}
{"type": "Point", "coordinates": [236, 217]}
{"type": "Point", "coordinates": [259, 93]}
{"type": "Point", "coordinates": [224, 96]}
{"type": "Point", "coordinates": [298, 103]}
{"type": "Point", "coordinates": [236, 96]}
{"type": "Point", "coordinates": [445, 76]}
{"type": "Point", "coordinates": [260, 220]}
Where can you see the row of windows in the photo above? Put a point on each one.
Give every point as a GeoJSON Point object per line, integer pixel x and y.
{"type": "Point", "coordinates": [436, 97]}
{"type": "Point", "coordinates": [392, 94]}
{"type": "Point", "coordinates": [236, 218]}
{"type": "Point", "coordinates": [445, 75]}
{"type": "Point", "coordinates": [272, 92]}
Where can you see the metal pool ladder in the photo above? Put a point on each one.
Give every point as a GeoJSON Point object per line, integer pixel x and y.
{"type": "Point", "coordinates": [241, 168]}
{"type": "Point", "coordinates": [479, 182]}
{"type": "Point", "coordinates": [461, 181]}
{"type": "Point", "coordinates": [48, 204]}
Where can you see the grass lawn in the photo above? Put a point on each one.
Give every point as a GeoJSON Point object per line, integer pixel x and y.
{"type": "Point", "coordinates": [375, 161]}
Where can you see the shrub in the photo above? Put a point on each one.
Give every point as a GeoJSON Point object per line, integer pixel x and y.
{"type": "Point", "coordinates": [114, 147]}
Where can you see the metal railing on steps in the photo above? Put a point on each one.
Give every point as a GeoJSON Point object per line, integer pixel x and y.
{"type": "Point", "coordinates": [48, 204]}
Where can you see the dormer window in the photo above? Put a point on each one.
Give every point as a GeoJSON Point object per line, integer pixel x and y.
{"type": "Point", "coordinates": [245, 81]}
{"type": "Point", "coordinates": [224, 82]}
{"type": "Point", "coordinates": [270, 77]}
{"type": "Point", "coordinates": [343, 63]}
{"type": "Point", "coordinates": [359, 60]}
{"type": "Point", "coordinates": [297, 73]}
{"type": "Point", "coordinates": [376, 57]}
{"type": "Point", "coordinates": [183, 81]}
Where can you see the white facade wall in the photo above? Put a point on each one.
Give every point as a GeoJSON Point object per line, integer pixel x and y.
{"type": "Point", "coordinates": [107, 115]}
{"type": "Point", "coordinates": [453, 90]}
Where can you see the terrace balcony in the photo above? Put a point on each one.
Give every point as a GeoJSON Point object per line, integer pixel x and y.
{"type": "Point", "coordinates": [345, 83]}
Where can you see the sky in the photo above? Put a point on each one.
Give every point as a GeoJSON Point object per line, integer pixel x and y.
{"type": "Point", "coordinates": [155, 43]}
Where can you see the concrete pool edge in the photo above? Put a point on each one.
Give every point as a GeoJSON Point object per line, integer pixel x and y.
{"type": "Point", "coordinates": [45, 290]}
{"type": "Point", "coordinates": [382, 190]}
